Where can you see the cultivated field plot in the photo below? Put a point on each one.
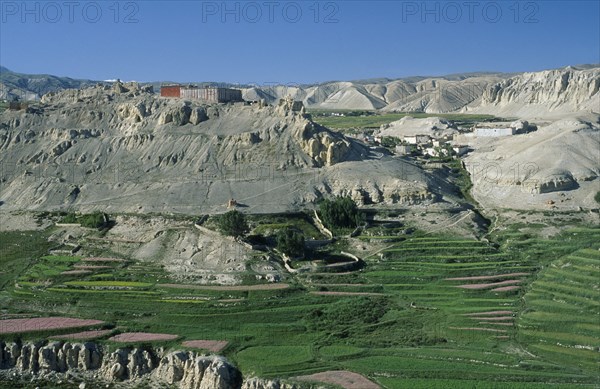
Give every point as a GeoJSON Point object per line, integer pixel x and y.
{"type": "Point", "coordinates": [134, 337]}
{"type": "Point", "coordinates": [83, 335]}
{"type": "Point", "coordinates": [211, 345]}
{"type": "Point", "coordinates": [345, 379]}
{"type": "Point", "coordinates": [404, 319]}
{"type": "Point", "coordinates": [15, 326]}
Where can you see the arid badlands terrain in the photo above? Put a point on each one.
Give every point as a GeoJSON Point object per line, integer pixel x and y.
{"type": "Point", "coordinates": [478, 258]}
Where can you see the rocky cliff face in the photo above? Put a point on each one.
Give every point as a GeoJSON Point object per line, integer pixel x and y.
{"type": "Point", "coordinates": [134, 116]}
{"type": "Point", "coordinates": [257, 383]}
{"type": "Point", "coordinates": [125, 366]}
{"type": "Point", "coordinates": [563, 90]}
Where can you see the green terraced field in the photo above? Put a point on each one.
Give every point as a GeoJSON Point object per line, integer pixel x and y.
{"type": "Point", "coordinates": [422, 331]}
{"type": "Point", "coordinates": [562, 319]}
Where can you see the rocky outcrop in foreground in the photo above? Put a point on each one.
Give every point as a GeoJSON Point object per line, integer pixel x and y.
{"type": "Point", "coordinates": [94, 363]}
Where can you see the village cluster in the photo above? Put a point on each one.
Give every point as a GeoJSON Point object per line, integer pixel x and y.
{"type": "Point", "coordinates": [442, 144]}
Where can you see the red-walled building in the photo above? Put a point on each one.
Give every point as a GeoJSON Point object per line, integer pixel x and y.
{"type": "Point", "coordinates": [170, 91]}
{"type": "Point", "coordinates": [208, 94]}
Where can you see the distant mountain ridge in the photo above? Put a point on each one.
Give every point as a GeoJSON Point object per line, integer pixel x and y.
{"type": "Point", "coordinates": [34, 86]}
{"type": "Point", "coordinates": [568, 89]}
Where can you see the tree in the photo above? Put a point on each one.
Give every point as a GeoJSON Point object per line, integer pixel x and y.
{"type": "Point", "coordinates": [341, 212]}
{"type": "Point", "coordinates": [290, 242]}
{"type": "Point", "coordinates": [233, 223]}
{"type": "Point", "coordinates": [94, 220]}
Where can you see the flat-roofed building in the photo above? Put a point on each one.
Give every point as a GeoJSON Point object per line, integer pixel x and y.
{"type": "Point", "coordinates": [208, 94]}
{"type": "Point", "coordinates": [493, 132]}
{"type": "Point", "coordinates": [170, 91]}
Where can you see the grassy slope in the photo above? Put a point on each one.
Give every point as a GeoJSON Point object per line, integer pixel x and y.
{"type": "Point", "coordinates": [17, 252]}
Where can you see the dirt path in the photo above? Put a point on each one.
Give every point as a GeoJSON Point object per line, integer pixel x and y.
{"type": "Point", "coordinates": [117, 240]}
{"type": "Point", "coordinates": [469, 212]}
{"type": "Point", "coordinates": [380, 250]}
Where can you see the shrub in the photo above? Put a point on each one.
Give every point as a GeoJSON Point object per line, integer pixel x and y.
{"type": "Point", "coordinates": [597, 197]}
{"type": "Point", "coordinates": [69, 218]}
{"type": "Point", "coordinates": [390, 142]}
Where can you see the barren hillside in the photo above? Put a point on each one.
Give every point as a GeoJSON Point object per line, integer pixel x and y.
{"type": "Point", "coordinates": [567, 90]}
{"type": "Point", "coordinates": [555, 167]}
{"type": "Point", "coordinates": [126, 149]}
{"type": "Point", "coordinates": [541, 94]}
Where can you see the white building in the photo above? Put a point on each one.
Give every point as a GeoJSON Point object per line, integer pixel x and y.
{"type": "Point", "coordinates": [460, 149]}
{"type": "Point", "coordinates": [431, 151]}
{"type": "Point", "coordinates": [493, 132]}
{"type": "Point", "coordinates": [417, 139]}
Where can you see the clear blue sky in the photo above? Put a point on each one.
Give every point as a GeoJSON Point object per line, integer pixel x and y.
{"type": "Point", "coordinates": [271, 42]}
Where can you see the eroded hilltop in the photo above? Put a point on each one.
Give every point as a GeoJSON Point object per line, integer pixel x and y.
{"type": "Point", "coordinates": [123, 148]}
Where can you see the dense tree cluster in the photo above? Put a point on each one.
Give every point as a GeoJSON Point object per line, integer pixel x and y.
{"type": "Point", "coordinates": [341, 212]}
{"type": "Point", "coordinates": [233, 223]}
{"type": "Point", "coordinates": [290, 242]}
{"type": "Point", "coordinates": [93, 220]}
